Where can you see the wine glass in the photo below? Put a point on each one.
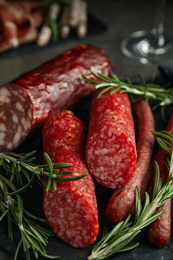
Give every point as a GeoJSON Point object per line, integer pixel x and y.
{"type": "Point", "coordinates": [150, 46]}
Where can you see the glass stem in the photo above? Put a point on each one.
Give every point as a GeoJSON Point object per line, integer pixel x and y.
{"type": "Point", "coordinates": [157, 32]}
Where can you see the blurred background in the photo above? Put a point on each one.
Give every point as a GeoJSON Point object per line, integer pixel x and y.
{"type": "Point", "coordinates": [108, 23]}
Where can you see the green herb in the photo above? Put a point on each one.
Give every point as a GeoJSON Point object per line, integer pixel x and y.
{"type": "Point", "coordinates": [54, 25]}
{"type": "Point", "coordinates": [122, 234]}
{"type": "Point", "coordinates": [19, 167]}
{"type": "Point", "coordinates": [162, 95]}
{"type": "Point", "coordinates": [34, 231]}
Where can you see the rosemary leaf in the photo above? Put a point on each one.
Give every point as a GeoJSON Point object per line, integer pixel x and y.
{"type": "Point", "coordinates": [3, 215]}
{"type": "Point", "coordinates": [10, 184]}
{"type": "Point", "coordinates": [1, 161]}
{"type": "Point", "coordinates": [157, 181]}
{"type": "Point", "coordinates": [10, 229]}
{"type": "Point", "coordinates": [49, 183]}
{"type": "Point", "coordinates": [75, 178]}
{"type": "Point", "coordinates": [129, 247]}
{"type": "Point", "coordinates": [17, 250]}
{"type": "Point", "coordinates": [23, 188]}
{"type": "Point", "coordinates": [20, 209]}
{"type": "Point", "coordinates": [49, 163]}
{"type": "Point", "coordinates": [54, 185]}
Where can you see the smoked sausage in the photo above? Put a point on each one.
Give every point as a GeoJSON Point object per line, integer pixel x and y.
{"type": "Point", "coordinates": [71, 210]}
{"type": "Point", "coordinates": [111, 147]}
{"type": "Point", "coordinates": [159, 231]}
{"type": "Point", "coordinates": [122, 200]}
{"type": "Point", "coordinates": [57, 84]}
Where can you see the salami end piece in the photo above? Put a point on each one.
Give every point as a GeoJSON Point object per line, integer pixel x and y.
{"type": "Point", "coordinates": [111, 147]}
{"type": "Point", "coordinates": [71, 210]}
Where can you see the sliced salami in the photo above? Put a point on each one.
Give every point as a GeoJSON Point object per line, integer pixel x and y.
{"type": "Point", "coordinates": [111, 147]}
{"type": "Point", "coordinates": [71, 210]}
{"type": "Point", "coordinates": [55, 85]}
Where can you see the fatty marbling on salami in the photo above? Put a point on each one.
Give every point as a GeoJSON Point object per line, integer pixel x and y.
{"type": "Point", "coordinates": [57, 84]}
{"type": "Point", "coordinates": [111, 147]}
{"type": "Point", "coordinates": [71, 210]}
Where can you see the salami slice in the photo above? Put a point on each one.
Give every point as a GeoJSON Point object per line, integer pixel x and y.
{"type": "Point", "coordinates": [71, 210]}
{"type": "Point", "coordinates": [55, 85]}
{"type": "Point", "coordinates": [159, 231]}
{"type": "Point", "coordinates": [111, 147]}
{"type": "Point", "coordinates": [122, 200]}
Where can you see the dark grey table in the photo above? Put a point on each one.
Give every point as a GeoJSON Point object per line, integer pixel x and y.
{"type": "Point", "coordinates": [121, 18]}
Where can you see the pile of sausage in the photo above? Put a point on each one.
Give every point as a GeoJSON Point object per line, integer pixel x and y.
{"type": "Point", "coordinates": [23, 22]}
{"type": "Point", "coordinates": [107, 150]}
{"type": "Point", "coordinates": [19, 23]}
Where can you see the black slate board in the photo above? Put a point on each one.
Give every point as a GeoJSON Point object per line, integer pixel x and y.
{"type": "Point", "coordinates": [33, 202]}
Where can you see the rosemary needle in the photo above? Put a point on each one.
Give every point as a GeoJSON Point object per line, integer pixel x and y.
{"type": "Point", "coordinates": [122, 234]}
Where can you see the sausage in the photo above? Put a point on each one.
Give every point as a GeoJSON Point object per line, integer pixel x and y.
{"type": "Point", "coordinates": [122, 200]}
{"type": "Point", "coordinates": [71, 210]}
{"type": "Point", "coordinates": [19, 22]}
{"type": "Point", "coordinates": [158, 232]}
{"type": "Point", "coordinates": [111, 147]}
{"type": "Point", "coordinates": [57, 84]}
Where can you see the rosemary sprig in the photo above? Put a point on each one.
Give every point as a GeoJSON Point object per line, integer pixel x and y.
{"type": "Point", "coordinates": [18, 166]}
{"type": "Point", "coordinates": [20, 169]}
{"type": "Point", "coordinates": [122, 234]}
{"type": "Point", "coordinates": [150, 91]}
{"type": "Point", "coordinates": [34, 231]}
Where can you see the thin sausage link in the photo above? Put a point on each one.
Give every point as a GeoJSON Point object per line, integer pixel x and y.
{"type": "Point", "coordinates": [159, 231]}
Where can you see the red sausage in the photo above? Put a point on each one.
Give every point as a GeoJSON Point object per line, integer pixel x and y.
{"type": "Point", "coordinates": [57, 84]}
{"type": "Point", "coordinates": [111, 148]}
{"type": "Point", "coordinates": [159, 231]}
{"type": "Point", "coordinates": [122, 200]}
{"type": "Point", "coordinates": [71, 210]}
